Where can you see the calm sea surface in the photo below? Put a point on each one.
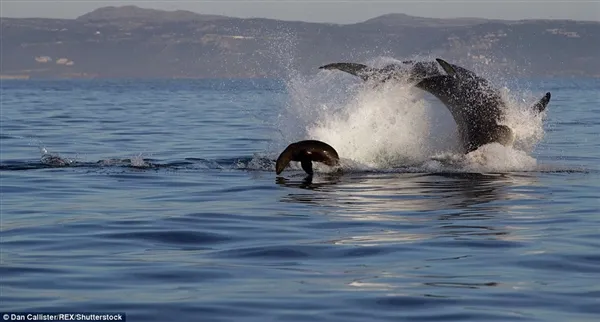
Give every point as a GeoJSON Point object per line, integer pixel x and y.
{"type": "Point", "coordinates": [159, 199]}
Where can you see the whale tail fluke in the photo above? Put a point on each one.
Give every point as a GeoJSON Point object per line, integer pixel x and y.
{"type": "Point", "coordinates": [540, 106]}
{"type": "Point", "coordinates": [306, 152]}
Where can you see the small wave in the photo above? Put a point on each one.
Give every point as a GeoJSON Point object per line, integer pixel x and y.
{"type": "Point", "coordinates": [493, 158]}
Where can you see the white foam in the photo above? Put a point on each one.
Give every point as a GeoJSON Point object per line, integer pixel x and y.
{"type": "Point", "coordinates": [498, 158]}
{"type": "Point", "coordinates": [394, 125]}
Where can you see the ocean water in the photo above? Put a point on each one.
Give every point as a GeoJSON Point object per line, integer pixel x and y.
{"type": "Point", "coordinates": [158, 198]}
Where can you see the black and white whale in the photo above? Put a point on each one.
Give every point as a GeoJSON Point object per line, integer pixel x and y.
{"type": "Point", "coordinates": [306, 152]}
{"type": "Point", "coordinates": [476, 106]}
{"type": "Point", "coordinates": [408, 70]}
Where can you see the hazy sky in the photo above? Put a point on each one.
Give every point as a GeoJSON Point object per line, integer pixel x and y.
{"type": "Point", "coordinates": [323, 11]}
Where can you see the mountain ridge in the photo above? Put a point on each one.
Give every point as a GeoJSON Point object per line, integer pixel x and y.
{"type": "Point", "coordinates": [135, 12]}
{"type": "Point", "coordinates": [129, 41]}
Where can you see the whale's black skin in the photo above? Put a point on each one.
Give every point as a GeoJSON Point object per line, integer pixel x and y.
{"type": "Point", "coordinates": [408, 70]}
{"type": "Point", "coordinates": [306, 152]}
{"type": "Point", "coordinates": [476, 106]}
{"type": "Point", "coordinates": [476, 112]}
{"type": "Point", "coordinates": [540, 106]}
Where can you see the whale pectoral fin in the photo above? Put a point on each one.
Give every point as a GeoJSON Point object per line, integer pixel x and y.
{"type": "Point", "coordinates": [306, 152]}
{"type": "Point", "coordinates": [540, 106]}
{"type": "Point", "coordinates": [351, 68]}
{"type": "Point", "coordinates": [355, 69]}
{"type": "Point", "coordinates": [447, 67]}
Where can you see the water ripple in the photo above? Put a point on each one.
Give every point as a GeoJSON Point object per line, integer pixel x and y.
{"type": "Point", "coordinates": [159, 199]}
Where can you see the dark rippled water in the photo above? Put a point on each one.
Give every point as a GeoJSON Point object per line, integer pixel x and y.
{"type": "Point", "coordinates": [158, 199]}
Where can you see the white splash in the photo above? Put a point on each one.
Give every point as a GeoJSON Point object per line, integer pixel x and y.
{"type": "Point", "coordinates": [139, 162]}
{"type": "Point", "coordinates": [521, 118]}
{"type": "Point", "coordinates": [397, 125]}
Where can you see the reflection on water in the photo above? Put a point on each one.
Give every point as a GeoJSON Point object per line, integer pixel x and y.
{"type": "Point", "coordinates": [460, 206]}
{"type": "Point", "coordinates": [309, 182]}
{"type": "Point", "coordinates": [370, 193]}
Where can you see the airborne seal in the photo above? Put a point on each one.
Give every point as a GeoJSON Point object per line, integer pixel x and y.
{"type": "Point", "coordinates": [306, 152]}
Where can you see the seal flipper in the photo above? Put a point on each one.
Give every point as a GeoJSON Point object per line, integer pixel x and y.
{"type": "Point", "coordinates": [307, 166]}
{"type": "Point", "coordinates": [306, 152]}
{"type": "Point", "coordinates": [540, 106]}
{"type": "Point", "coordinates": [284, 159]}
{"type": "Point", "coordinates": [360, 70]}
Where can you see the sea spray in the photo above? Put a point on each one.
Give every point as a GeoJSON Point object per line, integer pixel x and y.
{"type": "Point", "coordinates": [526, 123]}
{"type": "Point", "coordinates": [396, 125]}
{"type": "Point", "coordinates": [381, 128]}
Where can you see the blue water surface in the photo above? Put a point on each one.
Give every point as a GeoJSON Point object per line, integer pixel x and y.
{"type": "Point", "coordinates": [167, 207]}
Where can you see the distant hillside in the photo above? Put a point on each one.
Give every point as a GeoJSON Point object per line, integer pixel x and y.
{"type": "Point", "coordinates": [400, 19]}
{"type": "Point", "coordinates": [134, 42]}
{"type": "Point", "coordinates": [149, 15]}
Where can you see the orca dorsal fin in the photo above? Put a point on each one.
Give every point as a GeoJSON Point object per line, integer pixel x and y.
{"type": "Point", "coordinates": [447, 67]}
